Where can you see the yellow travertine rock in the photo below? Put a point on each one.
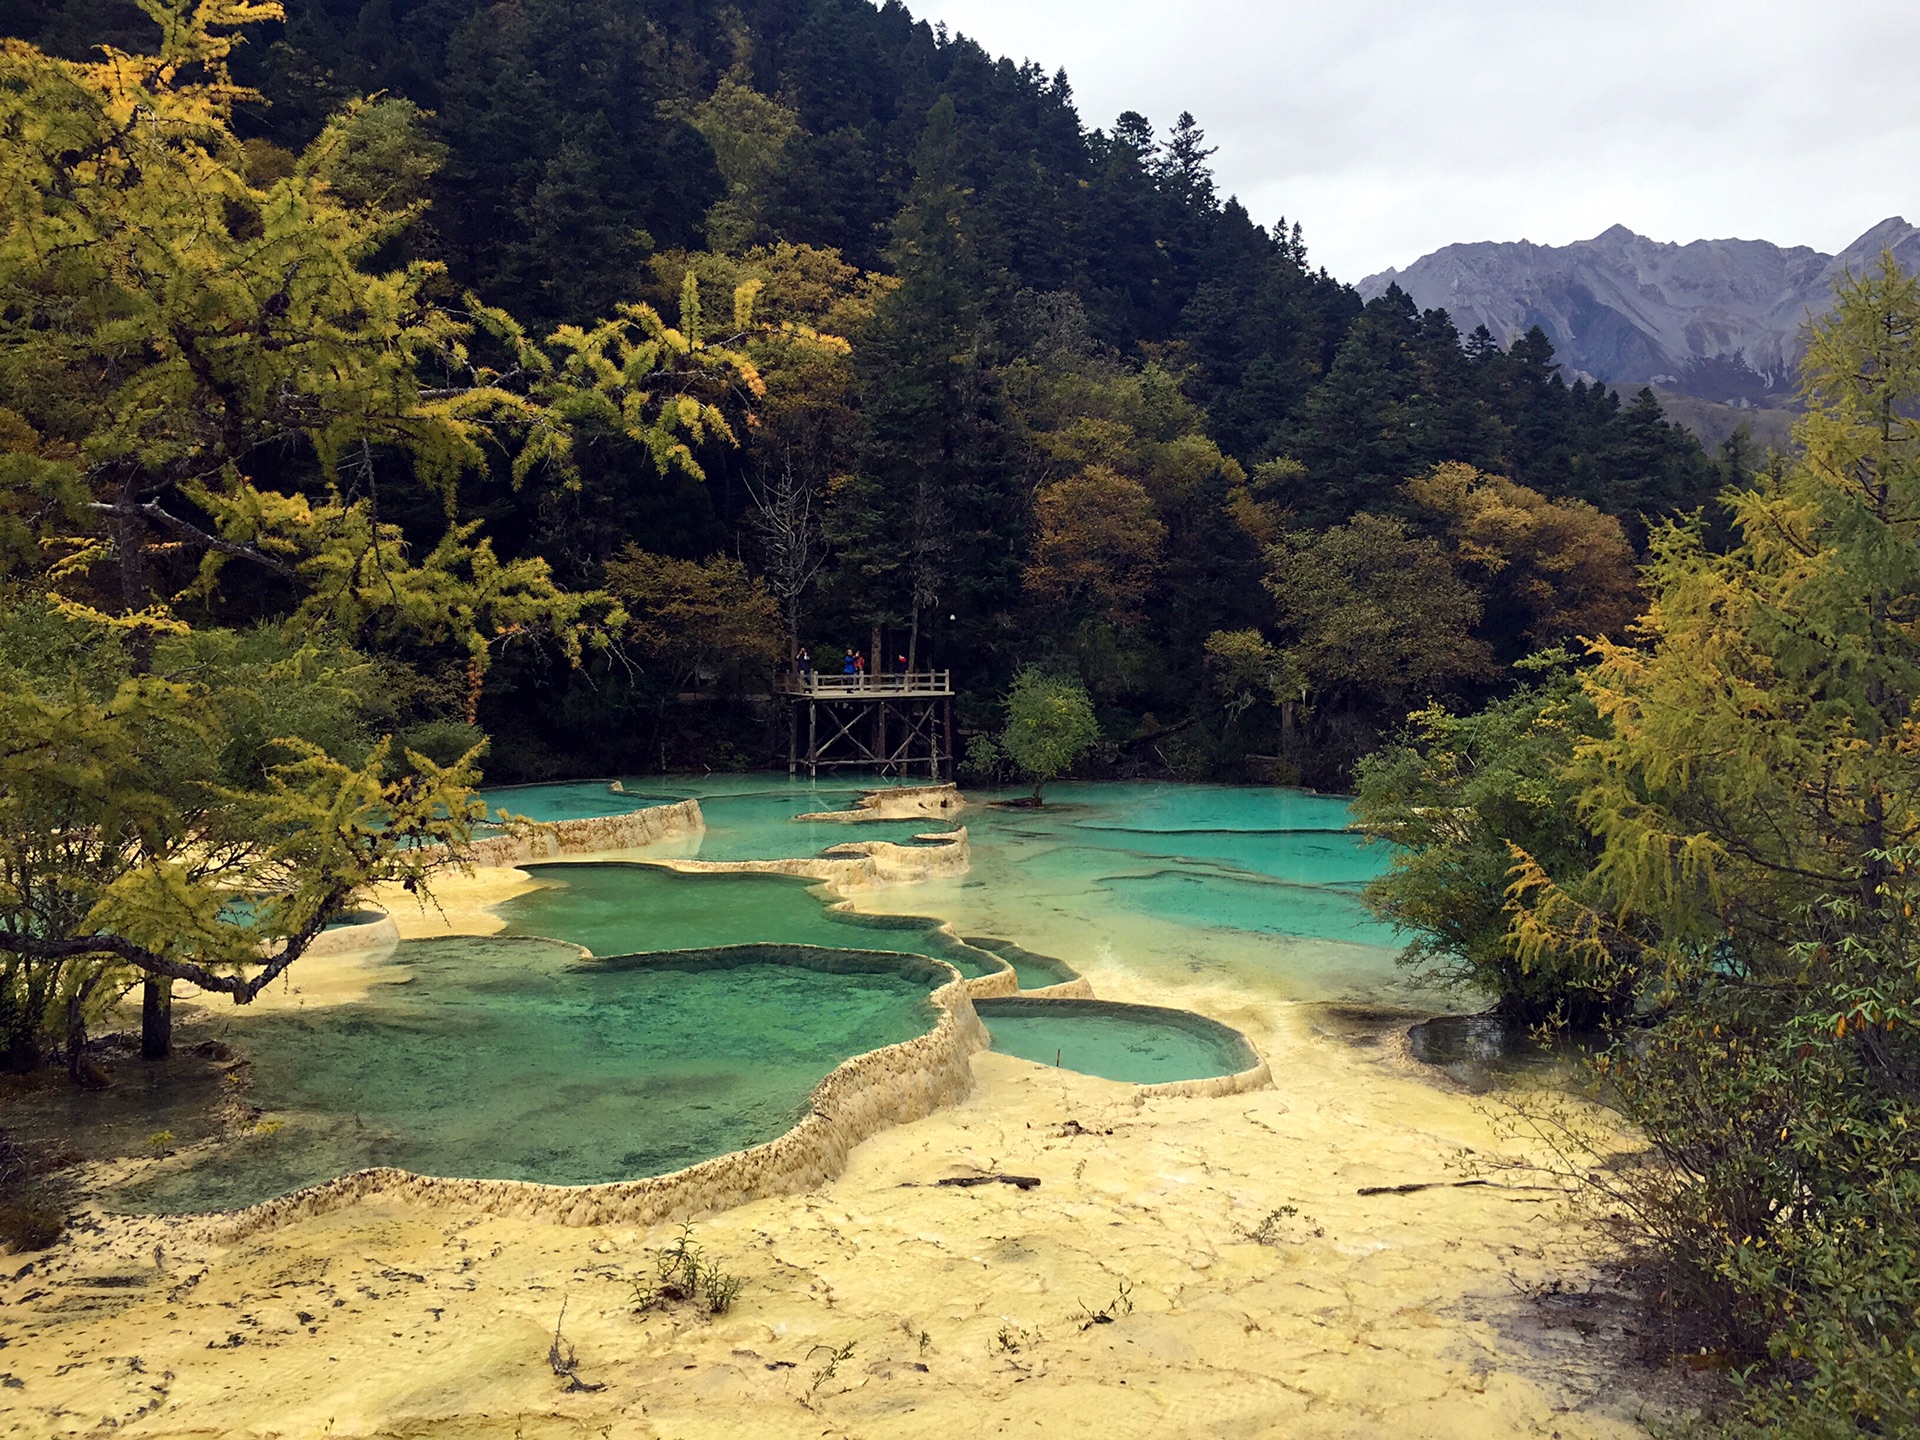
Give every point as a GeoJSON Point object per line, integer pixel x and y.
{"type": "Point", "coordinates": [388, 1305]}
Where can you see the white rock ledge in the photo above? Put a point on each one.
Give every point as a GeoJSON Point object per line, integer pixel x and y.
{"type": "Point", "coordinates": [552, 839]}
{"type": "Point", "coordinates": [904, 802]}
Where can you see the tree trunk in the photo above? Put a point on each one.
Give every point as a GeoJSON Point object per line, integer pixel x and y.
{"type": "Point", "coordinates": [873, 660]}
{"type": "Point", "coordinates": [913, 642]}
{"type": "Point", "coordinates": [156, 1018]}
{"type": "Point", "coordinates": [76, 1038]}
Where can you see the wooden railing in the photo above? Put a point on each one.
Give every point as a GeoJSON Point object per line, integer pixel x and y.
{"type": "Point", "coordinates": [846, 687]}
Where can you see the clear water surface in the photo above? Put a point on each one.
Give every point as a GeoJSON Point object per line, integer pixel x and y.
{"type": "Point", "coordinates": [1258, 890]}
{"type": "Point", "coordinates": [749, 817]}
{"type": "Point", "coordinates": [508, 1057]}
{"type": "Point", "coordinates": [1139, 1044]}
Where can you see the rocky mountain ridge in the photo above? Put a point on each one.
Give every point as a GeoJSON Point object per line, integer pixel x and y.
{"type": "Point", "coordinates": [1723, 320]}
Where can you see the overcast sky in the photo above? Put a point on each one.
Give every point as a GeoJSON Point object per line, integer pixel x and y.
{"type": "Point", "coordinates": [1392, 127]}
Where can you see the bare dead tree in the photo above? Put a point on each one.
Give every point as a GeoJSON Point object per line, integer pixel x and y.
{"type": "Point", "coordinates": [793, 545]}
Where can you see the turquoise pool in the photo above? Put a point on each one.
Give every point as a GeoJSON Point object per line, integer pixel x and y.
{"type": "Point", "coordinates": [1138, 1044]}
{"type": "Point", "coordinates": [622, 909]}
{"type": "Point", "coordinates": [512, 1057]}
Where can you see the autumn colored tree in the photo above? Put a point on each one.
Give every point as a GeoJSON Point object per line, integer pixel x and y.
{"type": "Point", "coordinates": [1081, 413]}
{"type": "Point", "coordinates": [1550, 570]}
{"type": "Point", "coordinates": [1754, 790]}
{"type": "Point", "coordinates": [1095, 547]}
{"type": "Point", "coordinates": [1370, 609]}
{"type": "Point", "coordinates": [140, 801]}
{"type": "Point", "coordinates": [806, 424]}
{"type": "Point", "coordinates": [749, 133]}
{"type": "Point", "coordinates": [697, 619]}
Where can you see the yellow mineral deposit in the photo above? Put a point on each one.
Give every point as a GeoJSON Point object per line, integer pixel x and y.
{"type": "Point", "coordinates": [1167, 1264]}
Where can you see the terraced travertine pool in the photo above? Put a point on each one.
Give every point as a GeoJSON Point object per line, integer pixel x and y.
{"type": "Point", "coordinates": [1138, 1044]}
{"type": "Point", "coordinates": [516, 1057]}
{"type": "Point", "coordinates": [509, 1059]}
{"type": "Point", "coordinates": [1184, 886]}
{"type": "Point", "coordinates": [1238, 866]}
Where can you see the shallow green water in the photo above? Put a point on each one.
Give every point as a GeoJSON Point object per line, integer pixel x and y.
{"type": "Point", "coordinates": [571, 800]}
{"type": "Point", "coordinates": [1031, 971]}
{"type": "Point", "coordinates": [1142, 1045]}
{"type": "Point", "coordinates": [510, 1059]}
{"type": "Point", "coordinates": [623, 909]}
{"type": "Point", "coordinates": [1185, 885]}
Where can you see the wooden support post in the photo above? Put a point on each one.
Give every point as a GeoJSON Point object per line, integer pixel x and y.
{"type": "Point", "coordinates": [893, 723]}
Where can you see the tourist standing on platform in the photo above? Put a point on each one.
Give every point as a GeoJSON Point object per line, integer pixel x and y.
{"type": "Point", "coordinates": [860, 666]}
{"type": "Point", "coordinates": [847, 667]}
{"type": "Point", "coordinates": [803, 662]}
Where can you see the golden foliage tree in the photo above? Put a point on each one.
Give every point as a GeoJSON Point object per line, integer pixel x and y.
{"type": "Point", "coordinates": [1368, 608]}
{"type": "Point", "coordinates": [696, 618]}
{"type": "Point", "coordinates": [1562, 568]}
{"type": "Point", "coordinates": [1755, 786]}
{"type": "Point", "coordinates": [1096, 545]}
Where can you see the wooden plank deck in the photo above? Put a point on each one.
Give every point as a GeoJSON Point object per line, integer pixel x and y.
{"type": "Point", "coordinates": [913, 685]}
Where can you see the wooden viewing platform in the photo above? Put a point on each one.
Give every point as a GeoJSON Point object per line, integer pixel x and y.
{"type": "Point", "coordinates": [898, 724]}
{"type": "Point", "coordinates": [912, 682]}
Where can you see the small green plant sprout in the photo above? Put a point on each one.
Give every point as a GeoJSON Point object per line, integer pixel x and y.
{"type": "Point", "coordinates": [1120, 1304]}
{"type": "Point", "coordinates": [926, 1344]}
{"type": "Point", "coordinates": [836, 1357]}
{"type": "Point", "coordinates": [1284, 1225]}
{"type": "Point", "coordinates": [682, 1274]}
{"type": "Point", "coordinates": [719, 1290]}
{"type": "Point", "coordinates": [160, 1141]}
{"type": "Point", "coordinates": [1009, 1341]}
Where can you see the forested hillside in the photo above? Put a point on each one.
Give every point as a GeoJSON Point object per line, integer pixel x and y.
{"type": "Point", "coordinates": [1088, 412]}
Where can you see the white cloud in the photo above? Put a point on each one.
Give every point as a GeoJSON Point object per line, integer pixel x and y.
{"type": "Point", "coordinates": [1392, 127]}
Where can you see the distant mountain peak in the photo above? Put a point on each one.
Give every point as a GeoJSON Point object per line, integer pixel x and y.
{"type": "Point", "coordinates": [1617, 235]}
{"type": "Point", "coordinates": [1721, 319]}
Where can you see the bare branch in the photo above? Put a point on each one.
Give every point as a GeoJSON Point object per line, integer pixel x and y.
{"type": "Point", "coordinates": [151, 510]}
